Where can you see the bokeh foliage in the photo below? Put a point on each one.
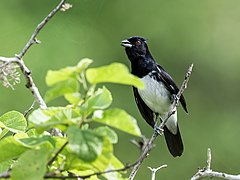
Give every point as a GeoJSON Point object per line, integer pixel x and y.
{"type": "Point", "coordinates": [180, 32]}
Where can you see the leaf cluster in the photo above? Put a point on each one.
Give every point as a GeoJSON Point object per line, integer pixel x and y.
{"type": "Point", "coordinates": [87, 124]}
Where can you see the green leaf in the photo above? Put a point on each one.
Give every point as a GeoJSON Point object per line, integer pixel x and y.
{"type": "Point", "coordinates": [83, 64]}
{"type": "Point", "coordinates": [68, 86]}
{"type": "Point", "coordinates": [54, 77]}
{"type": "Point", "coordinates": [10, 149]}
{"type": "Point", "coordinates": [114, 164]}
{"type": "Point", "coordinates": [107, 132]}
{"type": "Point", "coordinates": [32, 142]}
{"type": "Point", "coordinates": [13, 121]}
{"type": "Point", "coordinates": [86, 144]}
{"type": "Point", "coordinates": [73, 98]}
{"type": "Point", "coordinates": [113, 73]}
{"type": "Point", "coordinates": [119, 119]}
{"type": "Point", "coordinates": [3, 132]}
{"type": "Point", "coordinates": [101, 99]}
{"type": "Point", "coordinates": [53, 116]}
{"type": "Point", "coordinates": [32, 165]}
{"type": "Point", "coordinates": [101, 163]}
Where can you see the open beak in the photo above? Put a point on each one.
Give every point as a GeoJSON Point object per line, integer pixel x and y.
{"type": "Point", "coordinates": [126, 43]}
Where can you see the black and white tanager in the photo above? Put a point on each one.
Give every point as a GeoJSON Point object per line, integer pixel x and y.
{"type": "Point", "coordinates": [157, 97]}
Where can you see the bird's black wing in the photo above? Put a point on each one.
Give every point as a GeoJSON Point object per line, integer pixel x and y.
{"type": "Point", "coordinates": [145, 111]}
{"type": "Point", "coordinates": [170, 84]}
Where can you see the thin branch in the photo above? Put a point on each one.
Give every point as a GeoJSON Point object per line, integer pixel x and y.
{"type": "Point", "coordinates": [209, 159]}
{"type": "Point", "coordinates": [53, 176]}
{"type": "Point", "coordinates": [128, 166]}
{"type": "Point", "coordinates": [208, 172]}
{"type": "Point", "coordinates": [57, 153]}
{"type": "Point", "coordinates": [177, 97]}
{"type": "Point", "coordinates": [149, 145]}
{"type": "Point", "coordinates": [71, 176]}
{"type": "Point", "coordinates": [39, 27]}
{"type": "Point", "coordinates": [29, 109]}
{"type": "Point", "coordinates": [5, 174]}
{"type": "Point", "coordinates": [19, 61]}
{"type": "Point", "coordinates": [154, 170]}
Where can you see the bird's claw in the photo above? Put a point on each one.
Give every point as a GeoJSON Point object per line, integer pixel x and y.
{"type": "Point", "coordinates": [173, 98]}
{"type": "Point", "coordinates": [158, 130]}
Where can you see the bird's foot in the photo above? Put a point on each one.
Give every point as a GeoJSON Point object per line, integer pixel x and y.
{"type": "Point", "coordinates": [173, 98]}
{"type": "Point", "coordinates": [158, 130]}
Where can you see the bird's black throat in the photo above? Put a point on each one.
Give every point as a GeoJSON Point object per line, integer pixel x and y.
{"type": "Point", "coordinates": [142, 65]}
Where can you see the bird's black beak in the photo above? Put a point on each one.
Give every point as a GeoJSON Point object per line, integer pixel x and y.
{"type": "Point", "coordinates": [126, 43]}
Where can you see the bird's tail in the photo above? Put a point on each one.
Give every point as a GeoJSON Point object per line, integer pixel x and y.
{"type": "Point", "coordinates": [174, 142]}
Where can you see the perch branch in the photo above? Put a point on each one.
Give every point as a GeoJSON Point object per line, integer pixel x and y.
{"type": "Point", "coordinates": [149, 145]}
{"type": "Point", "coordinates": [208, 172]}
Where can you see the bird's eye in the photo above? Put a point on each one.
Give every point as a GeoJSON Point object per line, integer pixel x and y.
{"type": "Point", "coordinates": [138, 43]}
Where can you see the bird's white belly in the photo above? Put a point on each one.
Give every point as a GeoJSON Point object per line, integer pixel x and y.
{"type": "Point", "coordinates": [155, 95]}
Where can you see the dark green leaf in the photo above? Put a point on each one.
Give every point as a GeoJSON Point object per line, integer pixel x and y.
{"type": "Point", "coordinates": [101, 163]}
{"type": "Point", "coordinates": [86, 144]}
{"type": "Point", "coordinates": [107, 132]}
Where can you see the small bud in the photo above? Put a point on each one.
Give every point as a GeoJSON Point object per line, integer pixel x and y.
{"type": "Point", "coordinates": [37, 41]}
{"type": "Point", "coordinates": [65, 7]}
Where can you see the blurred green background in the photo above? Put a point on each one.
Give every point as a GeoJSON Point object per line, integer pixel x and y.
{"type": "Point", "coordinates": [180, 32]}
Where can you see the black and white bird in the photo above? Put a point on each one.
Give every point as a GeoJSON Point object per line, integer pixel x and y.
{"type": "Point", "coordinates": [157, 96]}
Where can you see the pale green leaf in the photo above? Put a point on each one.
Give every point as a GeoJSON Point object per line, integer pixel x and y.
{"type": "Point", "coordinates": [101, 99]}
{"type": "Point", "coordinates": [70, 85]}
{"type": "Point", "coordinates": [86, 144]}
{"type": "Point", "coordinates": [32, 165]}
{"type": "Point", "coordinates": [113, 73]}
{"type": "Point", "coordinates": [83, 64]}
{"type": "Point", "coordinates": [52, 116]}
{"type": "Point", "coordinates": [73, 98]}
{"type": "Point", "coordinates": [3, 132]}
{"type": "Point", "coordinates": [13, 121]}
{"type": "Point", "coordinates": [119, 119]}
{"type": "Point", "coordinates": [63, 74]}
{"type": "Point", "coordinates": [57, 76]}
{"type": "Point", "coordinates": [114, 163]}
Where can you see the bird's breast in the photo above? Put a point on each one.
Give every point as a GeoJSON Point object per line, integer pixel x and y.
{"type": "Point", "coordinates": [155, 95]}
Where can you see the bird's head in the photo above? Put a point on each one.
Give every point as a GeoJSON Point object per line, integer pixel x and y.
{"type": "Point", "coordinates": [135, 46]}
